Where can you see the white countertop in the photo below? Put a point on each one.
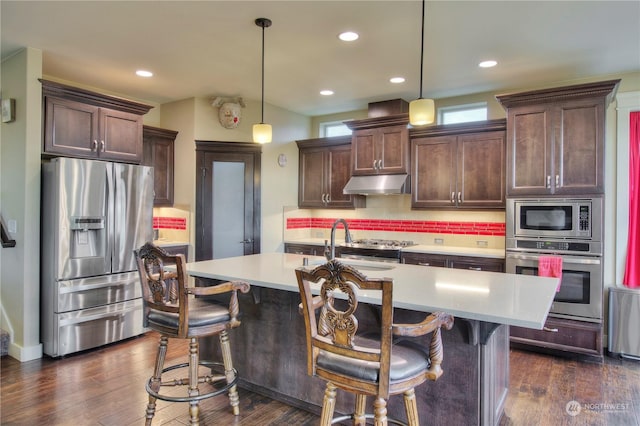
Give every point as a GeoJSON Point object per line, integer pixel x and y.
{"type": "Point", "coordinates": [424, 248]}
{"type": "Point", "coordinates": [511, 299]}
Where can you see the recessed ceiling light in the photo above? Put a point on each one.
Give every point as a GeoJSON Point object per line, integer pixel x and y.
{"type": "Point", "coordinates": [143, 73]}
{"type": "Point", "coordinates": [397, 80]}
{"type": "Point", "coordinates": [487, 64]}
{"type": "Point", "coordinates": [348, 36]}
{"type": "Point", "coordinates": [326, 92]}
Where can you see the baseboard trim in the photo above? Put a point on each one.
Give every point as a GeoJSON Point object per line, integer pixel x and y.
{"type": "Point", "coordinates": [24, 354]}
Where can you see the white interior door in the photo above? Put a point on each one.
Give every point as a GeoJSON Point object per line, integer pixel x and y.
{"type": "Point", "coordinates": [228, 209]}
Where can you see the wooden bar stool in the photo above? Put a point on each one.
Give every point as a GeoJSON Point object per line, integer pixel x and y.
{"type": "Point", "coordinates": [171, 308]}
{"type": "Point", "coordinates": [364, 364]}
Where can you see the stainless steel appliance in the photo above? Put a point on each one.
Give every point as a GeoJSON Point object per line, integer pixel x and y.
{"type": "Point", "coordinates": [94, 214]}
{"type": "Point", "coordinates": [567, 228]}
{"type": "Point", "coordinates": [376, 250]}
{"type": "Point", "coordinates": [624, 317]}
{"type": "Point", "coordinates": [580, 295]}
{"type": "Point", "coordinates": [555, 218]}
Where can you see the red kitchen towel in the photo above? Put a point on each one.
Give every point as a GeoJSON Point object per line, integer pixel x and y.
{"type": "Point", "coordinates": [550, 266]}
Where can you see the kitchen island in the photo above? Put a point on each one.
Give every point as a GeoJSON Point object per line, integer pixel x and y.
{"type": "Point", "coordinates": [269, 347]}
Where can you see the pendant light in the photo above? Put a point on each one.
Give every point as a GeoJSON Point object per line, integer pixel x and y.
{"type": "Point", "coordinates": [421, 111]}
{"type": "Point", "coordinates": [262, 131]}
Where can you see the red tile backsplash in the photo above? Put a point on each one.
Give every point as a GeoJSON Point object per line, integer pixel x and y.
{"type": "Point", "coordinates": [426, 226]}
{"type": "Point", "coordinates": [161, 222]}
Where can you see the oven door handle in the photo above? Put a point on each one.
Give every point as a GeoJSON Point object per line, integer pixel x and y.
{"type": "Point", "coordinates": [570, 260]}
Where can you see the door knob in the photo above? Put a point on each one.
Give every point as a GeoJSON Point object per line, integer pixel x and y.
{"type": "Point", "coordinates": [247, 241]}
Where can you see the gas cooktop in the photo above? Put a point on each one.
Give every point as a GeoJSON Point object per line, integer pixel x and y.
{"type": "Point", "coordinates": [379, 244]}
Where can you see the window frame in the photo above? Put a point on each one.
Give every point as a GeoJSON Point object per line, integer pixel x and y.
{"type": "Point", "coordinates": [322, 128]}
{"type": "Point", "coordinates": [442, 111]}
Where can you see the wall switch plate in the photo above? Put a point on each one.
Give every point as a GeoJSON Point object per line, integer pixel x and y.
{"type": "Point", "coordinates": [12, 224]}
{"type": "Point", "coordinates": [438, 240]}
{"type": "Point", "coordinates": [482, 243]}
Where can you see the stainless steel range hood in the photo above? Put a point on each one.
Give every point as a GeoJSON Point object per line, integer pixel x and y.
{"type": "Point", "coordinates": [378, 184]}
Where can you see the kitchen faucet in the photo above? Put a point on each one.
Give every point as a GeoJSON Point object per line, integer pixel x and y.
{"type": "Point", "coordinates": [331, 254]}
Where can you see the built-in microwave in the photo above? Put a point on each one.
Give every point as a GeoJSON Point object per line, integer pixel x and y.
{"type": "Point", "coordinates": [557, 218]}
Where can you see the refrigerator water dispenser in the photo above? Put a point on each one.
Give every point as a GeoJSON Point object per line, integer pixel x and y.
{"type": "Point", "coordinates": [87, 237]}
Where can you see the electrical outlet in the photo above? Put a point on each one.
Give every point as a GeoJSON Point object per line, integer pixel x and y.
{"type": "Point", "coordinates": [438, 241]}
{"type": "Point", "coordinates": [482, 243]}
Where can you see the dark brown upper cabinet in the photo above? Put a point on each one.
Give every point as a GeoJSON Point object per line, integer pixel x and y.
{"type": "Point", "coordinates": [158, 152]}
{"type": "Point", "coordinates": [555, 139]}
{"type": "Point", "coordinates": [380, 145]}
{"type": "Point", "coordinates": [324, 170]}
{"type": "Point", "coordinates": [84, 124]}
{"type": "Point", "coordinates": [459, 166]}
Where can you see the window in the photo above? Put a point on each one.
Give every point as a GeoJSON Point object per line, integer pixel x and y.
{"type": "Point", "coordinates": [334, 128]}
{"type": "Point", "coordinates": [462, 113]}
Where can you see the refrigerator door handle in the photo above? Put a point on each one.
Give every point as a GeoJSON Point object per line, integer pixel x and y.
{"type": "Point", "coordinates": [111, 224]}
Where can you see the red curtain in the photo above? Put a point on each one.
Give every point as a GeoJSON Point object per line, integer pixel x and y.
{"type": "Point", "coordinates": [632, 268]}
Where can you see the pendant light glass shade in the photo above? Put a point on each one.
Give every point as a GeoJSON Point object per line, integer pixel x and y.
{"type": "Point", "coordinates": [262, 133]}
{"type": "Point", "coordinates": [421, 111]}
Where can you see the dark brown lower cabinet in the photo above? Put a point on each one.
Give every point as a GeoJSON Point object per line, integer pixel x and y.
{"type": "Point", "coordinates": [457, 262]}
{"type": "Point", "coordinates": [181, 249]}
{"type": "Point", "coordinates": [269, 352]}
{"type": "Point", "coordinates": [310, 249]}
{"type": "Point", "coordinates": [562, 336]}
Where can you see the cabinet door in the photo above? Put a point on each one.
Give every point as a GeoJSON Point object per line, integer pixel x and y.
{"type": "Point", "coordinates": [121, 136]}
{"type": "Point", "coordinates": [481, 179]}
{"type": "Point", "coordinates": [392, 147]}
{"type": "Point", "coordinates": [433, 172]}
{"type": "Point", "coordinates": [529, 150]}
{"type": "Point", "coordinates": [71, 128]}
{"type": "Point", "coordinates": [158, 152]}
{"type": "Point", "coordinates": [363, 152]}
{"type": "Point", "coordinates": [381, 150]}
{"type": "Point", "coordinates": [579, 147]}
{"type": "Point", "coordinates": [338, 174]}
{"type": "Point", "coordinates": [312, 177]}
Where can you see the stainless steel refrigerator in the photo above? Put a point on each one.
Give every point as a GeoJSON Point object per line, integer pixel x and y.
{"type": "Point", "coordinates": [94, 214]}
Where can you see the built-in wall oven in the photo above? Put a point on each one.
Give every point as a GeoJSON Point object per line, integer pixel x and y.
{"type": "Point", "coordinates": [567, 228]}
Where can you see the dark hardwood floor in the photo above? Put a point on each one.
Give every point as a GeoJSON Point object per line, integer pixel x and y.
{"type": "Point", "coordinates": [106, 387]}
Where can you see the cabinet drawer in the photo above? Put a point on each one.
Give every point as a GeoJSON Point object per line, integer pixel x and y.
{"type": "Point", "coordinates": [477, 264]}
{"type": "Point", "coordinates": [562, 335]}
{"type": "Point", "coordinates": [457, 262]}
{"type": "Point", "coordinates": [424, 259]}
{"type": "Point", "coordinates": [309, 249]}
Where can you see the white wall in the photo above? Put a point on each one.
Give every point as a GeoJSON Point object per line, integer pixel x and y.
{"type": "Point", "coordinates": [20, 201]}
{"type": "Point", "coordinates": [195, 119]}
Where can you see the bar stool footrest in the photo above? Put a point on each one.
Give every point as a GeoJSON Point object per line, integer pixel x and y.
{"type": "Point", "coordinates": [214, 366]}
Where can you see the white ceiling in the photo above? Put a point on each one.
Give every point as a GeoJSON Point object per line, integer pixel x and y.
{"type": "Point", "coordinates": [213, 48]}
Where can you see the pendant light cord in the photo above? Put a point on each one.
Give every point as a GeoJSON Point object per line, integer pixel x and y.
{"type": "Point", "coordinates": [262, 105]}
{"type": "Point", "coordinates": [421, 48]}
